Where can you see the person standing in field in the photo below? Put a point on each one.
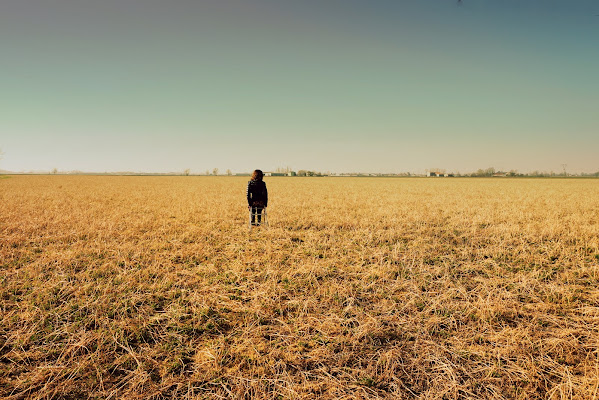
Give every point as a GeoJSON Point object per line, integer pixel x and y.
{"type": "Point", "coordinates": [257, 196]}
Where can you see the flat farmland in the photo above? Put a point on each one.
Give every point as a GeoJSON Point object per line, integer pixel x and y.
{"type": "Point", "coordinates": [360, 288]}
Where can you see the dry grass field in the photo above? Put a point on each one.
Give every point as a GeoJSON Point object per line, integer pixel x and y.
{"type": "Point", "coordinates": [361, 288]}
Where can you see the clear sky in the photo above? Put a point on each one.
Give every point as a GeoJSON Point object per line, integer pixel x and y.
{"type": "Point", "coordinates": [345, 85]}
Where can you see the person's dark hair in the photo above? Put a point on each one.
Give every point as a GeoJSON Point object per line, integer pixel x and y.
{"type": "Point", "coordinates": [257, 175]}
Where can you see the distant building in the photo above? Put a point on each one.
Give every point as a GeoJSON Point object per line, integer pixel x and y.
{"type": "Point", "coordinates": [438, 174]}
{"type": "Point", "coordinates": [280, 173]}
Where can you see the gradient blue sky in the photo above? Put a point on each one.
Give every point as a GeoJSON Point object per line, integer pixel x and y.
{"type": "Point", "coordinates": [374, 86]}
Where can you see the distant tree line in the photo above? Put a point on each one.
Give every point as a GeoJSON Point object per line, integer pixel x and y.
{"type": "Point", "coordinates": [534, 174]}
{"type": "Point", "coordinates": [303, 172]}
{"type": "Point", "coordinates": [287, 171]}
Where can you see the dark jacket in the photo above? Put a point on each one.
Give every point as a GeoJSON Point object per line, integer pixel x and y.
{"type": "Point", "coordinates": [257, 194]}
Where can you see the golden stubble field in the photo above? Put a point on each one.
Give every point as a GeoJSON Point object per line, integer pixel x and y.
{"type": "Point", "coordinates": [362, 288]}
